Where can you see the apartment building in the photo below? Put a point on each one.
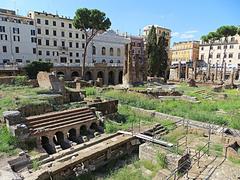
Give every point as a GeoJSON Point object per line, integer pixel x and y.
{"type": "Point", "coordinates": [185, 51]}
{"type": "Point", "coordinates": [227, 49]}
{"type": "Point", "coordinates": [17, 38]}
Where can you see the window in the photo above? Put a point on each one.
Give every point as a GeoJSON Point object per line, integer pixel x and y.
{"type": "Point", "coordinates": [238, 55]}
{"type": "Point", "coordinates": [46, 31]}
{"type": "Point", "coordinates": [39, 21]}
{"type": "Point", "coordinates": [225, 47]}
{"type": "Point", "coordinates": [139, 44]}
{"type": "Point", "coordinates": [16, 38]}
{"type": "Point", "coordinates": [230, 55]}
{"type": "Point", "coordinates": [2, 28]}
{"type": "Point", "coordinates": [63, 44]}
{"type": "Point", "coordinates": [33, 39]}
{"type": "Point", "coordinates": [70, 44]}
{"type": "Point", "coordinates": [202, 48]}
{"type": "Point", "coordinates": [219, 47]}
{"type": "Point", "coordinates": [118, 52]}
{"type": "Point", "coordinates": [54, 23]}
{"type": "Point", "coordinates": [70, 26]}
{"type": "Point", "coordinates": [83, 45]}
{"type": "Point", "coordinates": [47, 42]}
{"type": "Point", "coordinates": [231, 46]}
{"type": "Point", "coordinates": [70, 54]}
{"type": "Point", "coordinates": [70, 34]}
{"type": "Point", "coordinates": [40, 53]}
{"type": "Point", "coordinates": [34, 50]}
{"type": "Point", "coordinates": [218, 55]}
{"type": "Point", "coordinates": [77, 45]}
{"type": "Point", "coordinates": [63, 34]}
{"type": "Point", "coordinates": [62, 24]}
{"type": "Point", "coordinates": [94, 50]}
{"type": "Point", "coordinates": [211, 47]}
{"type": "Point", "coordinates": [54, 33]}
{"type": "Point", "coordinates": [17, 49]}
{"type": "Point", "coordinates": [103, 51]}
{"type": "Point", "coordinates": [77, 60]}
{"type": "Point", "coordinates": [3, 37]}
{"type": "Point", "coordinates": [4, 49]}
{"type": "Point", "coordinates": [77, 54]}
{"type": "Point", "coordinates": [103, 61]}
{"type": "Point", "coordinates": [33, 33]}
{"type": "Point", "coordinates": [111, 61]}
{"type": "Point", "coordinates": [19, 60]}
{"type": "Point", "coordinates": [39, 31]}
{"type": "Point", "coordinates": [39, 42]}
{"type": "Point", "coordinates": [47, 53]}
{"type": "Point", "coordinates": [83, 36]}
{"type": "Point", "coordinates": [202, 56]}
{"type": "Point", "coordinates": [77, 35]}
{"type": "Point", "coordinates": [46, 22]}
{"type": "Point", "coordinates": [232, 39]}
{"type": "Point", "coordinates": [15, 30]}
{"type": "Point", "coordinates": [54, 43]}
{"type": "Point", "coordinates": [111, 51]}
{"type": "Point", "coordinates": [118, 61]}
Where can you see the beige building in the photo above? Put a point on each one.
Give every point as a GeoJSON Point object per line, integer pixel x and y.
{"type": "Point", "coordinates": [160, 31]}
{"type": "Point", "coordinates": [228, 49]}
{"type": "Point", "coordinates": [186, 51]}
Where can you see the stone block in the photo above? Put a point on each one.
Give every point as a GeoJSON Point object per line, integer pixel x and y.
{"type": "Point", "coordinates": [12, 117]}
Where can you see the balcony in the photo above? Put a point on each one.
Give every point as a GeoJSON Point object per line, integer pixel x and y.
{"type": "Point", "coordinates": [62, 48]}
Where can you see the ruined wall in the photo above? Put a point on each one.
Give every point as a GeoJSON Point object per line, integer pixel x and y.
{"type": "Point", "coordinates": [106, 107]}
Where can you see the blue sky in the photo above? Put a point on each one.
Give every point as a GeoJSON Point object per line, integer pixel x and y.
{"type": "Point", "coordinates": [188, 19]}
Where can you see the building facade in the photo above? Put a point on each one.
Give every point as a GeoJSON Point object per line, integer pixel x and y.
{"type": "Point", "coordinates": [17, 38]}
{"type": "Point", "coordinates": [224, 49]}
{"type": "Point", "coordinates": [186, 51]}
{"type": "Point", "coordinates": [160, 31]}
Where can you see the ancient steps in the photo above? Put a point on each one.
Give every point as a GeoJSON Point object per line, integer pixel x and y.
{"type": "Point", "coordinates": [158, 130]}
{"type": "Point", "coordinates": [58, 120]}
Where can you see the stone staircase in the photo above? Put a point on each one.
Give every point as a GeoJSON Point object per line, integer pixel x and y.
{"type": "Point", "coordinates": [157, 131]}
{"type": "Point", "coordinates": [58, 120]}
{"type": "Point", "coordinates": [207, 166]}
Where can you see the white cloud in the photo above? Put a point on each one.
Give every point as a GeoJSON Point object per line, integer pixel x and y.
{"type": "Point", "coordinates": [185, 35]}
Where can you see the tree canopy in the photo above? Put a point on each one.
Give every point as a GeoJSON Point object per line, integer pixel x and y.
{"type": "Point", "coordinates": [91, 22]}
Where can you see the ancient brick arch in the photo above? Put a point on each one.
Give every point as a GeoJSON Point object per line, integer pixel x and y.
{"type": "Point", "coordinates": [88, 76]}
{"type": "Point", "coordinates": [74, 75]}
{"type": "Point", "coordinates": [60, 74]}
{"type": "Point", "coordinates": [111, 78]}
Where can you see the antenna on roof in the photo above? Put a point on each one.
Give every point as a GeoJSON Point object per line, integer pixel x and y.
{"type": "Point", "coordinates": [140, 32]}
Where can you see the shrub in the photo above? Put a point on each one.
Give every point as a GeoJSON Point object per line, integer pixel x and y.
{"type": "Point", "coordinates": [33, 68]}
{"type": "Point", "coordinates": [8, 142]}
{"type": "Point", "coordinates": [162, 160]}
{"type": "Point", "coordinates": [20, 81]}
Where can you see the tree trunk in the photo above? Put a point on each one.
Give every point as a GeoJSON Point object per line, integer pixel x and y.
{"type": "Point", "coordinates": [84, 62]}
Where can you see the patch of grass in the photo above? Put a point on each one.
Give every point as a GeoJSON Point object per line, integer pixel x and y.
{"type": "Point", "coordinates": [216, 149]}
{"type": "Point", "coordinates": [90, 91]}
{"type": "Point", "coordinates": [161, 160]}
{"type": "Point", "coordinates": [8, 142]}
{"type": "Point", "coordinates": [36, 165]}
{"type": "Point", "coordinates": [234, 160]}
{"type": "Point", "coordinates": [127, 117]}
{"type": "Point", "coordinates": [206, 111]}
{"type": "Point", "coordinates": [174, 135]}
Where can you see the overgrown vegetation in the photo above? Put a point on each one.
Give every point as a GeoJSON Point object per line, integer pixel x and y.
{"type": "Point", "coordinates": [36, 165]}
{"type": "Point", "coordinates": [33, 68]}
{"type": "Point", "coordinates": [206, 111]}
{"type": "Point", "coordinates": [127, 118]}
{"type": "Point", "coordinates": [8, 143]}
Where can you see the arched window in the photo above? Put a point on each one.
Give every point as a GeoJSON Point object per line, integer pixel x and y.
{"type": "Point", "coordinates": [103, 61]}
{"type": "Point", "coordinates": [118, 52]}
{"type": "Point", "coordinates": [103, 51]}
{"type": "Point", "coordinates": [93, 50]}
{"type": "Point", "coordinates": [111, 51]}
{"type": "Point", "coordinates": [111, 61]}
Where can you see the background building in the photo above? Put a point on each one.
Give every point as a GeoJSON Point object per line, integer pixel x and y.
{"type": "Point", "coordinates": [228, 49]}
{"type": "Point", "coordinates": [17, 38]}
{"type": "Point", "coordinates": [160, 31]}
{"type": "Point", "coordinates": [186, 51]}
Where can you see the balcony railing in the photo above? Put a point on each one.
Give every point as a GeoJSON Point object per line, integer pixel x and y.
{"type": "Point", "coordinates": [88, 64]}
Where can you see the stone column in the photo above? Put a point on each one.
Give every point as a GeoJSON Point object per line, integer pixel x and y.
{"type": "Point", "coordinates": [216, 72]}
{"type": "Point", "coordinates": [105, 77]}
{"type": "Point", "coordinates": [224, 71]}
{"type": "Point", "coordinates": [116, 74]}
{"type": "Point", "coordinates": [195, 70]}
{"type": "Point", "coordinates": [186, 72]}
{"type": "Point", "coordinates": [232, 77]}
{"type": "Point", "coordinates": [208, 71]}
{"type": "Point", "coordinates": [179, 70]}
